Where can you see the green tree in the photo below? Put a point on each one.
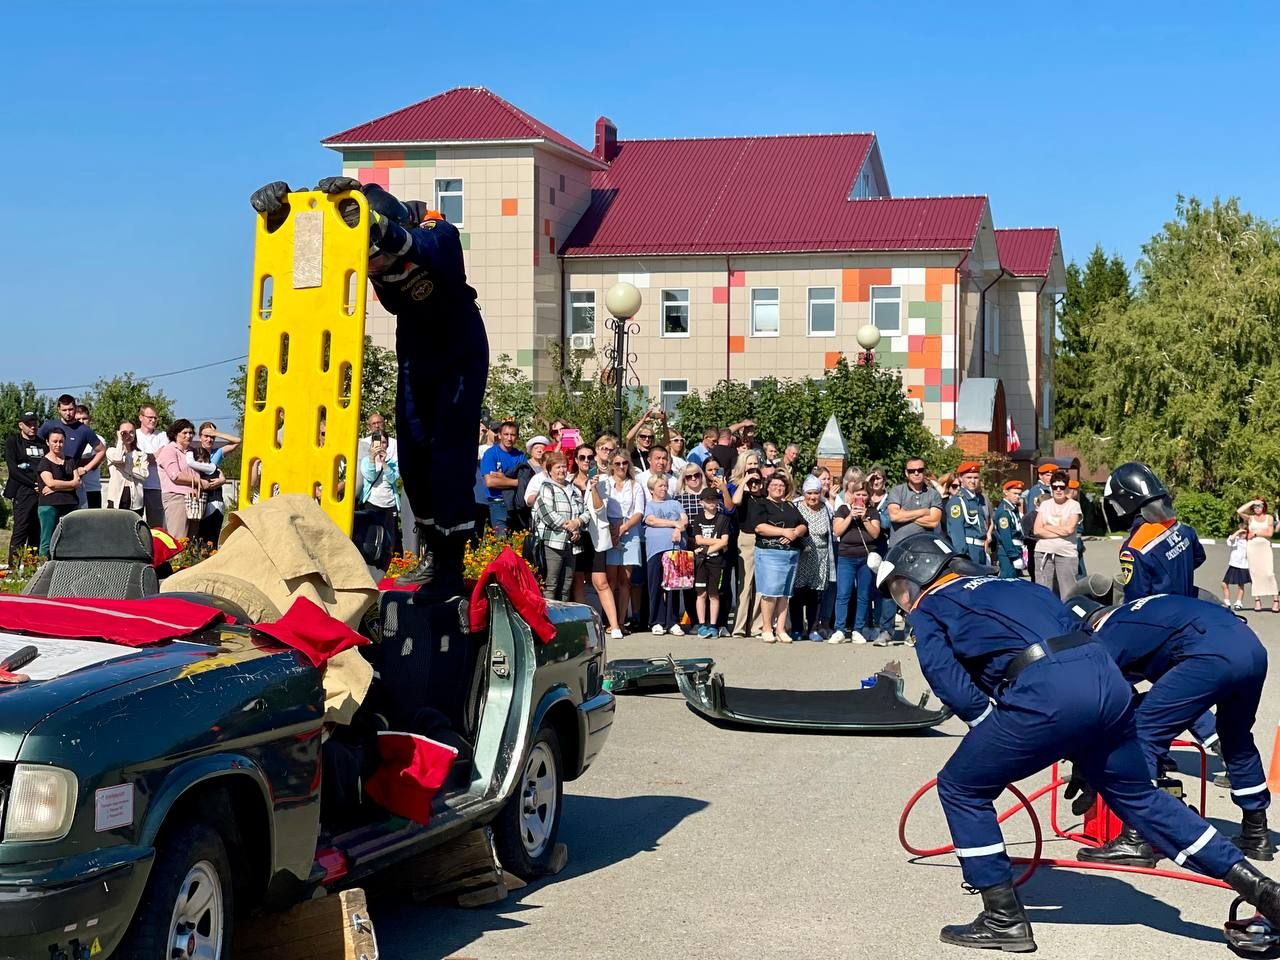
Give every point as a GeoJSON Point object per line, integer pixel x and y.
{"type": "Point", "coordinates": [1103, 283]}
{"type": "Point", "coordinates": [377, 394]}
{"type": "Point", "coordinates": [508, 394]}
{"type": "Point", "coordinates": [117, 398]}
{"type": "Point", "coordinates": [1186, 377]}
{"type": "Point", "coordinates": [16, 399]}
{"type": "Point", "coordinates": [585, 402]}
{"type": "Point", "coordinates": [874, 414]}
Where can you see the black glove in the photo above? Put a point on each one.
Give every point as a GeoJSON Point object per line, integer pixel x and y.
{"type": "Point", "coordinates": [1087, 795]}
{"type": "Point", "coordinates": [333, 185]}
{"type": "Point", "coordinates": [270, 199]}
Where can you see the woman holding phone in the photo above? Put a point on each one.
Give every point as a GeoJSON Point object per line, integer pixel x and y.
{"type": "Point", "coordinates": [857, 528]}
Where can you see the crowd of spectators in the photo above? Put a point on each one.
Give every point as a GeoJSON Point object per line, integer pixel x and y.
{"type": "Point", "coordinates": [171, 475]}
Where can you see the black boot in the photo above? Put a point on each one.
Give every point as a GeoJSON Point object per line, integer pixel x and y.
{"type": "Point", "coordinates": [1257, 888]}
{"type": "Point", "coordinates": [1128, 849]}
{"type": "Point", "coordinates": [438, 574]}
{"type": "Point", "coordinates": [1254, 840]}
{"type": "Point", "coordinates": [1002, 924]}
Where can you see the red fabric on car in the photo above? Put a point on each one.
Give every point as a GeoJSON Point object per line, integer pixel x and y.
{"type": "Point", "coordinates": [411, 770]}
{"type": "Point", "coordinates": [312, 632]}
{"type": "Point", "coordinates": [132, 623]}
{"type": "Point", "coordinates": [520, 586]}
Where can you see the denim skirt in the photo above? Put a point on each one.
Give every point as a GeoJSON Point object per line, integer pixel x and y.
{"type": "Point", "coordinates": [776, 571]}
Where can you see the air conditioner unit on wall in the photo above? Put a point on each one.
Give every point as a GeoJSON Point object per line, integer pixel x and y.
{"type": "Point", "coordinates": [581, 341]}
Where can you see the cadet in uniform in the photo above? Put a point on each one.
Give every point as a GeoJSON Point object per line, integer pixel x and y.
{"type": "Point", "coordinates": [1196, 655]}
{"type": "Point", "coordinates": [442, 352]}
{"type": "Point", "coordinates": [1007, 526]}
{"type": "Point", "coordinates": [968, 516]}
{"type": "Point", "coordinates": [1011, 661]}
{"type": "Point", "coordinates": [1038, 489]}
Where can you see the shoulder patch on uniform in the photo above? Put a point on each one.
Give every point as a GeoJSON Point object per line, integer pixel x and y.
{"type": "Point", "coordinates": [1004, 523]}
{"type": "Point", "coordinates": [955, 511]}
{"type": "Point", "coordinates": [1148, 535]}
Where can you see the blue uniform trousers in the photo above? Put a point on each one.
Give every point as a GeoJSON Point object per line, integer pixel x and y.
{"type": "Point", "coordinates": [1228, 672]}
{"type": "Point", "coordinates": [441, 383]}
{"type": "Point", "coordinates": [1075, 704]}
{"type": "Point", "coordinates": [1204, 729]}
{"type": "Point", "coordinates": [1006, 567]}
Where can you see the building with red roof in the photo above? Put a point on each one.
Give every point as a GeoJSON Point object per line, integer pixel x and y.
{"type": "Point", "coordinates": [756, 256]}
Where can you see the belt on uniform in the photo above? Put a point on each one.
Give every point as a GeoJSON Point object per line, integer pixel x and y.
{"type": "Point", "coordinates": [975, 541]}
{"type": "Point", "coordinates": [1038, 651]}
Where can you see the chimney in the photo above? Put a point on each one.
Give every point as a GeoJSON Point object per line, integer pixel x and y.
{"type": "Point", "coordinates": [606, 140]}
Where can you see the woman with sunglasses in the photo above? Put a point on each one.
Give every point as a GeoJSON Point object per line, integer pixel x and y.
{"type": "Point", "coordinates": [625, 510]}
{"type": "Point", "coordinates": [749, 492]}
{"type": "Point", "coordinates": [590, 562]}
{"type": "Point", "coordinates": [780, 533]}
{"type": "Point", "coordinates": [1055, 527]}
{"type": "Point", "coordinates": [559, 520]}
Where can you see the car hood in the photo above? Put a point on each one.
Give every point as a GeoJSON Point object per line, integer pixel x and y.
{"type": "Point", "coordinates": [24, 705]}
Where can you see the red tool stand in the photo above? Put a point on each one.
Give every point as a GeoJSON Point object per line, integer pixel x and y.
{"type": "Point", "coordinates": [1100, 826]}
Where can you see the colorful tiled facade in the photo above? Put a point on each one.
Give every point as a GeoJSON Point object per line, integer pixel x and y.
{"type": "Point", "coordinates": [945, 314]}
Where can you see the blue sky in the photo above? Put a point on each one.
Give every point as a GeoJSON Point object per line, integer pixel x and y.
{"type": "Point", "coordinates": [134, 132]}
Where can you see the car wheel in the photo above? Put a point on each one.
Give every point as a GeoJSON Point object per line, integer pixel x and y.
{"type": "Point", "coordinates": [525, 832]}
{"type": "Point", "coordinates": [188, 905]}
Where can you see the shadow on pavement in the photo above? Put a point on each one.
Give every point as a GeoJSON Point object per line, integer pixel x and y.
{"type": "Point", "coordinates": [599, 831]}
{"type": "Point", "coordinates": [1063, 896]}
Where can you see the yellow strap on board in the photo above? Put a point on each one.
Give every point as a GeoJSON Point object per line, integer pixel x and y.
{"type": "Point", "coordinates": [306, 355]}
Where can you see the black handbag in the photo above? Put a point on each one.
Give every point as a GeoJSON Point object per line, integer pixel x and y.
{"type": "Point", "coordinates": [534, 552]}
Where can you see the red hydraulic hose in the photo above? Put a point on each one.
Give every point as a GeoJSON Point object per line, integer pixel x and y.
{"type": "Point", "coordinates": [1036, 859]}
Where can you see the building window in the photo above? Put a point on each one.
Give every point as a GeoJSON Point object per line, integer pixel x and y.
{"type": "Point", "coordinates": [671, 391]}
{"type": "Point", "coordinates": [991, 328]}
{"type": "Point", "coordinates": [822, 311]}
{"type": "Point", "coordinates": [562, 183]}
{"type": "Point", "coordinates": [675, 313]}
{"type": "Point", "coordinates": [449, 200]}
{"type": "Point", "coordinates": [582, 312]}
{"type": "Point", "coordinates": [886, 309]}
{"type": "Point", "coordinates": [755, 383]}
{"type": "Point", "coordinates": [764, 312]}
{"type": "Point", "coordinates": [1046, 338]}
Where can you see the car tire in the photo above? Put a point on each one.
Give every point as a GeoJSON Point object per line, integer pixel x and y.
{"type": "Point", "coordinates": [189, 900]}
{"type": "Point", "coordinates": [526, 830]}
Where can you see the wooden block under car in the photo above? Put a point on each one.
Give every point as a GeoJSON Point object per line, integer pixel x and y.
{"type": "Point", "coordinates": [336, 927]}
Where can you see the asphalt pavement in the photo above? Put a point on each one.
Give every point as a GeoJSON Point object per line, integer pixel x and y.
{"type": "Point", "coordinates": [688, 840]}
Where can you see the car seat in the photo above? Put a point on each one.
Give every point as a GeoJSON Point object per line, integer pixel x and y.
{"type": "Point", "coordinates": [102, 553]}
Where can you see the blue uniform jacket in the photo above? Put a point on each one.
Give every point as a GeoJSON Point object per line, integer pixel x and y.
{"type": "Point", "coordinates": [1008, 530]}
{"type": "Point", "coordinates": [426, 272]}
{"type": "Point", "coordinates": [968, 629]}
{"type": "Point", "coordinates": [967, 516]}
{"type": "Point", "coordinates": [1147, 637]}
{"type": "Point", "coordinates": [1160, 558]}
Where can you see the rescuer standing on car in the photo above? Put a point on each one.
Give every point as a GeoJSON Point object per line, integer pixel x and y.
{"type": "Point", "coordinates": [1010, 660]}
{"type": "Point", "coordinates": [1196, 655]}
{"type": "Point", "coordinates": [442, 352]}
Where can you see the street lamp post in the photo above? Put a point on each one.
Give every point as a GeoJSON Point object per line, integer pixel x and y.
{"type": "Point", "coordinates": [623, 302]}
{"type": "Point", "coordinates": [868, 337]}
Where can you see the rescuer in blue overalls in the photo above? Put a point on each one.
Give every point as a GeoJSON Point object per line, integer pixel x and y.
{"type": "Point", "coordinates": [1196, 655]}
{"type": "Point", "coordinates": [416, 268]}
{"type": "Point", "coordinates": [968, 516]}
{"type": "Point", "coordinates": [1011, 661]}
{"type": "Point", "coordinates": [1006, 525]}
{"type": "Point", "coordinates": [1160, 554]}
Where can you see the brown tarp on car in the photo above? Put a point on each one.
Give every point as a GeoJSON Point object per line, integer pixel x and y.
{"type": "Point", "coordinates": [283, 548]}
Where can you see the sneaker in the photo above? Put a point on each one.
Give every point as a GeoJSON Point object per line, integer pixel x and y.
{"type": "Point", "coordinates": [882, 639]}
{"type": "Point", "coordinates": [675, 630]}
{"type": "Point", "coordinates": [723, 632]}
{"type": "Point", "coordinates": [837, 636]}
{"type": "Point", "coordinates": [784, 637]}
{"type": "Point", "coordinates": [768, 638]}
{"type": "Point", "coordinates": [657, 630]}
{"type": "Point", "coordinates": [815, 637]}
{"type": "Point", "coordinates": [857, 637]}
{"type": "Point", "coordinates": [615, 634]}
{"type": "Point", "coordinates": [1237, 605]}
{"type": "Point", "coordinates": [1227, 603]}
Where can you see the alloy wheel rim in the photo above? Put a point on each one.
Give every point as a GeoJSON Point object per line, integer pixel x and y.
{"type": "Point", "coordinates": [198, 922]}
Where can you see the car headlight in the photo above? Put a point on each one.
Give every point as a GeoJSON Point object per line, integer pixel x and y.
{"type": "Point", "coordinates": [42, 803]}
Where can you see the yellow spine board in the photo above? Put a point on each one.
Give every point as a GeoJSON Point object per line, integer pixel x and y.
{"type": "Point", "coordinates": [306, 355]}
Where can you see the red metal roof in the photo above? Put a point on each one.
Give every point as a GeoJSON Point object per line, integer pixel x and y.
{"type": "Point", "coordinates": [742, 195]}
{"type": "Point", "coordinates": [460, 114]}
{"type": "Point", "coordinates": [1027, 251]}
